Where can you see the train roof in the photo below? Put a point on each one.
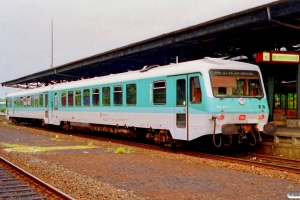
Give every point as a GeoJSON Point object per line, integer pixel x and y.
{"type": "Point", "coordinates": [153, 71]}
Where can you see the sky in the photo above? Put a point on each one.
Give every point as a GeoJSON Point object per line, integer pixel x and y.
{"type": "Point", "coordinates": [83, 28]}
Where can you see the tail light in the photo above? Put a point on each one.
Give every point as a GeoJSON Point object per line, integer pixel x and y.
{"type": "Point", "coordinates": [221, 117]}
{"type": "Point", "coordinates": [261, 116]}
{"type": "Point", "coordinates": [242, 117]}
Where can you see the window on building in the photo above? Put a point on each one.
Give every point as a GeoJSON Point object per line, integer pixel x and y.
{"type": "Point", "coordinates": [159, 92]}
{"type": "Point", "coordinates": [106, 96]}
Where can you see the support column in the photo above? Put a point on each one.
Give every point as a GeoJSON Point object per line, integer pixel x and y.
{"type": "Point", "coordinates": [271, 95]}
{"type": "Point", "coordinates": [298, 91]}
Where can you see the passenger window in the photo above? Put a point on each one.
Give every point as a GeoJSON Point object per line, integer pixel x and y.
{"type": "Point", "coordinates": [32, 100]}
{"type": "Point", "coordinates": [46, 100]}
{"type": "Point", "coordinates": [63, 99]}
{"type": "Point", "coordinates": [70, 98]}
{"type": "Point", "coordinates": [41, 98]}
{"type": "Point", "coordinates": [159, 92]}
{"type": "Point", "coordinates": [86, 97]}
{"type": "Point", "coordinates": [25, 102]}
{"type": "Point", "coordinates": [131, 94]}
{"type": "Point", "coordinates": [118, 95]}
{"type": "Point", "coordinates": [106, 96]}
{"type": "Point", "coordinates": [36, 100]}
{"type": "Point", "coordinates": [28, 101]}
{"type": "Point", "coordinates": [78, 98]}
{"type": "Point", "coordinates": [96, 97]}
{"type": "Point", "coordinates": [21, 102]}
{"type": "Point", "coordinates": [195, 90]}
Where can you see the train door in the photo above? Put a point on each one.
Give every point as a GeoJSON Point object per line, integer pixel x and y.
{"type": "Point", "coordinates": [181, 107]}
{"type": "Point", "coordinates": [47, 110]}
{"type": "Point", "coordinates": [50, 107]}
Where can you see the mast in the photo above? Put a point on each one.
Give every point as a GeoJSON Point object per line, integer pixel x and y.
{"type": "Point", "coordinates": [52, 45]}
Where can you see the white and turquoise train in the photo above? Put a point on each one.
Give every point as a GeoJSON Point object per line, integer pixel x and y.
{"type": "Point", "coordinates": [169, 104]}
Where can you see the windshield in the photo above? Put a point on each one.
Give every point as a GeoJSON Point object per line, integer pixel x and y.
{"type": "Point", "coordinates": [236, 83]}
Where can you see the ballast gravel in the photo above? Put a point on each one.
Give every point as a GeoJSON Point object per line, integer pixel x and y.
{"type": "Point", "coordinates": [95, 171]}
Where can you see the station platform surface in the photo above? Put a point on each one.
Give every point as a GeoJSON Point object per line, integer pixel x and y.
{"type": "Point", "coordinates": [287, 131]}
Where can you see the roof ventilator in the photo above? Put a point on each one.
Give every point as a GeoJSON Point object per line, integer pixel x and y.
{"type": "Point", "coordinates": [146, 67]}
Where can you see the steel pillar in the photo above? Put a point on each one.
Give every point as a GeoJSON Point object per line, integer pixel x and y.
{"type": "Point", "coordinates": [271, 94]}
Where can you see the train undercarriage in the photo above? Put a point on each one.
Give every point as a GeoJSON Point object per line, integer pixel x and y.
{"type": "Point", "coordinates": [245, 133]}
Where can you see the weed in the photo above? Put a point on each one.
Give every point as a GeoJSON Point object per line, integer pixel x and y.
{"type": "Point", "coordinates": [290, 186]}
{"type": "Point", "coordinates": [109, 150]}
{"type": "Point", "coordinates": [123, 150]}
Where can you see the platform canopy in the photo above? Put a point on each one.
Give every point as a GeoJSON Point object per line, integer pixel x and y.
{"type": "Point", "coordinates": [236, 36]}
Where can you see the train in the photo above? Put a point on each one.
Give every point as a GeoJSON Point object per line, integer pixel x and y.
{"type": "Point", "coordinates": [170, 105]}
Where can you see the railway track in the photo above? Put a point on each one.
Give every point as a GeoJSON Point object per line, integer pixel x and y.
{"type": "Point", "coordinates": [255, 160]}
{"type": "Point", "coordinates": [15, 183]}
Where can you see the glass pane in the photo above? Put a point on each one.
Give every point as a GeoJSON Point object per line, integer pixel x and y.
{"type": "Point", "coordinates": [106, 96]}
{"type": "Point", "coordinates": [41, 100]}
{"type": "Point", "coordinates": [277, 101]}
{"type": "Point", "coordinates": [181, 93]}
{"type": "Point", "coordinates": [290, 101]}
{"type": "Point", "coordinates": [195, 93]}
{"type": "Point", "coordinates": [70, 98]}
{"type": "Point", "coordinates": [131, 94]}
{"type": "Point", "coordinates": [78, 98]}
{"type": "Point", "coordinates": [159, 92]}
{"type": "Point", "coordinates": [32, 100]}
{"type": "Point", "coordinates": [282, 101]}
{"type": "Point", "coordinates": [96, 97]}
{"type": "Point", "coordinates": [55, 100]}
{"type": "Point", "coordinates": [63, 99]}
{"type": "Point", "coordinates": [235, 83]}
{"type": "Point", "coordinates": [36, 100]}
{"type": "Point", "coordinates": [295, 100]}
{"type": "Point", "coordinates": [181, 120]}
{"type": "Point", "coordinates": [28, 101]}
{"type": "Point", "coordinates": [118, 95]}
{"type": "Point", "coordinates": [86, 97]}
{"type": "Point", "coordinates": [46, 100]}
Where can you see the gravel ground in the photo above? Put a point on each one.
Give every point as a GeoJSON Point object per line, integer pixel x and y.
{"type": "Point", "coordinates": [94, 171]}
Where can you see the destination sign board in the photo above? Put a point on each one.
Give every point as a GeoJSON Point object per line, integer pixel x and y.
{"type": "Point", "coordinates": [232, 73]}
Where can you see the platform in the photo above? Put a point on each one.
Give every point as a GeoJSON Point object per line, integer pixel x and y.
{"type": "Point", "coordinates": [285, 142]}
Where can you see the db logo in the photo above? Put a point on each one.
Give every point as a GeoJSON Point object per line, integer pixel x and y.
{"type": "Point", "coordinates": [100, 114]}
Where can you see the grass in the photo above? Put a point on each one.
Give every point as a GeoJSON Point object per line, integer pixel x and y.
{"type": "Point", "coordinates": [120, 150]}
{"type": "Point", "coordinates": [25, 148]}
